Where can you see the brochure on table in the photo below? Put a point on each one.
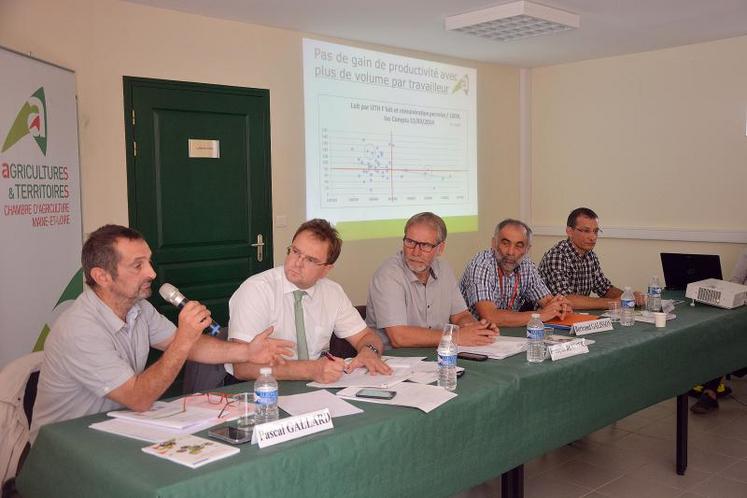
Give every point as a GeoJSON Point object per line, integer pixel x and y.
{"type": "Point", "coordinates": [191, 451]}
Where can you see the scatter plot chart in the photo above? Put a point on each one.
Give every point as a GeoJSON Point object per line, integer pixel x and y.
{"type": "Point", "coordinates": [366, 168]}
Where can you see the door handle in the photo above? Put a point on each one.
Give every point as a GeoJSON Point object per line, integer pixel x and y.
{"type": "Point", "coordinates": [260, 245]}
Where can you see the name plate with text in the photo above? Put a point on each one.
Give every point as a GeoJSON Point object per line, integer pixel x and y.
{"type": "Point", "coordinates": [592, 326]}
{"type": "Point", "coordinates": [567, 349]}
{"type": "Point", "coordinates": [200, 148]}
{"type": "Point", "coordinates": [289, 428]}
{"type": "Point", "coordinates": [667, 305]}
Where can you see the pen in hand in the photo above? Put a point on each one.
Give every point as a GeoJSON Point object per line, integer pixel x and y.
{"type": "Point", "coordinates": [329, 356]}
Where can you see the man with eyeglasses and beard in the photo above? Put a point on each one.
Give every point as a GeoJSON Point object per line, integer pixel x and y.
{"type": "Point", "coordinates": [572, 268]}
{"type": "Point", "coordinates": [499, 282]}
{"type": "Point", "coordinates": [414, 294]}
{"type": "Point", "coordinates": [305, 307]}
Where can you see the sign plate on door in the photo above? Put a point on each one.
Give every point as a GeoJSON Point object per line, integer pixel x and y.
{"type": "Point", "coordinates": [200, 148]}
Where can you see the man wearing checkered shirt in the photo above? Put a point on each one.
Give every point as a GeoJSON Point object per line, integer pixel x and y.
{"type": "Point", "coordinates": [572, 268]}
{"type": "Point", "coordinates": [498, 281]}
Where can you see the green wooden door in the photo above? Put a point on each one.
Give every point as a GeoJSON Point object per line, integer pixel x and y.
{"type": "Point", "coordinates": [200, 215]}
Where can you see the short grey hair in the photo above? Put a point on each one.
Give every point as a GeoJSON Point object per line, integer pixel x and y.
{"type": "Point", "coordinates": [516, 223]}
{"type": "Point", "coordinates": [432, 220]}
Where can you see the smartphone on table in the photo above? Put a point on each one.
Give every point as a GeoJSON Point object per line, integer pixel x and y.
{"type": "Point", "coordinates": [472, 356]}
{"type": "Point", "coordinates": [375, 394]}
{"type": "Point", "coordinates": [231, 435]}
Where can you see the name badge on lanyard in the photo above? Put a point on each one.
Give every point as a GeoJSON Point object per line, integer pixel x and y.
{"type": "Point", "coordinates": [515, 291]}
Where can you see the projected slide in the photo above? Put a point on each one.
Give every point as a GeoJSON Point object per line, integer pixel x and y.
{"type": "Point", "coordinates": [387, 137]}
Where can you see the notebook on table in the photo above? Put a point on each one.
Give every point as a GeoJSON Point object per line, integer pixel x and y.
{"type": "Point", "coordinates": [570, 320]}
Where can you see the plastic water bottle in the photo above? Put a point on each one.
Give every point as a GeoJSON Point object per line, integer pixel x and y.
{"type": "Point", "coordinates": [265, 397]}
{"type": "Point", "coordinates": [447, 358]}
{"type": "Point", "coordinates": [536, 339]}
{"type": "Point", "coordinates": [653, 301]}
{"type": "Point", "coordinates": [627, 308]}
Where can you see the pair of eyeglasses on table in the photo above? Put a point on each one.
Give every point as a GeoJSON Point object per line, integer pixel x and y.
{"type": "Point", "coordinates": [214, 398]}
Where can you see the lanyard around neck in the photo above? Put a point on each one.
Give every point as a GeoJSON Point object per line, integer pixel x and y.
{"type": "Point", "coordinates": [515, 291]}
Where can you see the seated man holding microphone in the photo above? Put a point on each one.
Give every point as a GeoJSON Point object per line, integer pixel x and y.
{"type": "Point", "coordinates": [414, 294]}
{"type": "Point", "coordinates": [499, 281]}
{"type": "Point", "coordinates": [95, 354]}
{"type": "Point", "coordinates": [304, 306]}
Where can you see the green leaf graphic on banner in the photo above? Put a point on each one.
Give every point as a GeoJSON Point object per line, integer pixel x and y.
{"type": "Point", "coordinates": [19, 129]}
{"type": "Point", "coordinates": [74, 289]}
{"type": "Point", "coordinates": [41, 126]}
{"type": "Point", "coordinates": [32, 118]}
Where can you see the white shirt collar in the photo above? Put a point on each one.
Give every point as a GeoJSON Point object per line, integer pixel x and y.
{"type": "Point", "coordinates": [289, 287]}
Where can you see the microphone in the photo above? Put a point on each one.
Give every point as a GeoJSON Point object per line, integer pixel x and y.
{"type": "Point", "coordinates": [172, 295]}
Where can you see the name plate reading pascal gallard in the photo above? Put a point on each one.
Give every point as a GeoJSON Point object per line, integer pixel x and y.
{"type": "Point", "coordinates": [206, 149]}
{"type": "Point", "coordinates": [591, 327]}
{"type": "Point", "coordinates": [289, 428]}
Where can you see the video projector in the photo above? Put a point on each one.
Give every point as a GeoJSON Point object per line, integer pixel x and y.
{"type": "Point", "coordinates": [717, 293]}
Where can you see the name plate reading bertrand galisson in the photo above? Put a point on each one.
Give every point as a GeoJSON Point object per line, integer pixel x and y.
{"type": "Point", "coordinates": [591, 327]}
{"type": "Point", "coordinates": [289, 428]}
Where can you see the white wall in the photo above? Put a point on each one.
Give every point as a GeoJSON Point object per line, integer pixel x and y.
{"type": "Point", "coordinates": [654, 140]}
{"type": "Point", "coordinates": [103, 40]}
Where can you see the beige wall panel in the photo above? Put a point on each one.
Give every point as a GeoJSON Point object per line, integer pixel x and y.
{"type": "Point", "coordinates": [649, 140]}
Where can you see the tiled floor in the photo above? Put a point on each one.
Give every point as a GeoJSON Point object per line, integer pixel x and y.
{"type": "Point", "coordinates": [634, 458]}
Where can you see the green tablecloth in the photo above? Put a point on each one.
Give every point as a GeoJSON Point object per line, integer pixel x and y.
{"type": "Point", "coordinates": [507, 413]}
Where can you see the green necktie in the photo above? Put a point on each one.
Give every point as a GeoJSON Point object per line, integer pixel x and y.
{"type": "Point", "coordinates": [303, 350]}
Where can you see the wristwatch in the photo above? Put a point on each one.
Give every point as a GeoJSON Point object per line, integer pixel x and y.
{"type": "Point", "coordinates": [374, 349]}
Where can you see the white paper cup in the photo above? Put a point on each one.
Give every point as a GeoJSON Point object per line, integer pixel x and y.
{"type": "Point", "coordinates": [660, 320]}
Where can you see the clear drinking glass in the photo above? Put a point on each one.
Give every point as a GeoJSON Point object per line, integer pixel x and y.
{"type": "Point", "coordinates": [245, 405]}
{"type": "Point", "coordinates": [614, 311]}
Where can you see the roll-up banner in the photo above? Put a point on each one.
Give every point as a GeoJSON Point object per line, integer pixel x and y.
{"type": "Point", "coordinates": [40, 219]}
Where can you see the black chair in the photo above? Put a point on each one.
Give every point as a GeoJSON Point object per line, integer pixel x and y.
{"type": "Point", "coordinates": [29, 397]}
{"type": "Point", "coordinates": [342, 348]}
{"type": "Point", "coordinates": [9, 488]}
{"type": "Point", "coordinates": [201, 377]}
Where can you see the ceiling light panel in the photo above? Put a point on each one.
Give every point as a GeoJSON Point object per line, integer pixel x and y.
{"type": "Point", "coordinates": [513, 21]}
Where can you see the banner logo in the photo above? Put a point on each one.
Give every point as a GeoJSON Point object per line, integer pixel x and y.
{"type": "Point", "coordinates": [31, 119]}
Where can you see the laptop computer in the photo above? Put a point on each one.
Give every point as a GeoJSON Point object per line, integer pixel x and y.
{"type": "Point", "coordinates": [681, 269]}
